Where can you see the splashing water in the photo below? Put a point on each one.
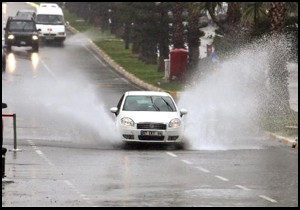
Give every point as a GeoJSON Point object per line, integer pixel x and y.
{"type": "Point", "coordinates": [66, 108]}
{"type": "Point", "coordinates": [223, 104]}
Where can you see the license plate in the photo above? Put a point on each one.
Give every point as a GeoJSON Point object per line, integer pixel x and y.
{"type": "Point", "coordinates": [49, 37]}
{"type": "Point", "coordinates": [23, 43]}
{"type": "Point", "coordinates": [151, 133]}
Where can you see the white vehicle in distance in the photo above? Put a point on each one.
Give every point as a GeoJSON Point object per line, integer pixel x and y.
{"type": "Point", "coordinates": [50, 19]}
{"type": "Point", "coordinates": [149, 116]}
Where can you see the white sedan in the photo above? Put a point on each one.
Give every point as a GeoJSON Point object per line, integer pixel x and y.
{"type": "Point", "coordinates": [149, 116]}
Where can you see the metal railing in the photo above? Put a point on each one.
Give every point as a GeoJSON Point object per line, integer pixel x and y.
{"type": "Point", "coordinates": [15, 128]}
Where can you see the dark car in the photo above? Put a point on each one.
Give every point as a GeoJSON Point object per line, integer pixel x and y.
{"type": "Point", "coordinates": [26, 13]}
{"type": "Point", "coordinates": [3, 59]}
{"type": "Point", "coordinates": [21, 32]}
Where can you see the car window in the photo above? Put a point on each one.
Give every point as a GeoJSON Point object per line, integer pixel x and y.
{"type": "Point", "coordinates": [149, 103]}
{"type": "Point", "coordinates": [50, 19]}
{"type": "Point", "coordinates": [21, 26]}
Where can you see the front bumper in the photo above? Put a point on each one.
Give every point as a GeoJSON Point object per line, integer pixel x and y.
{"type": "Point", "coordinates": [132, 134]}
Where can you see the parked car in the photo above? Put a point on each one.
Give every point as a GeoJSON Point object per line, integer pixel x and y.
{"type": "Point", "coordinates": [149, 116]}
{"type": "Point", "coordinates": [3, 58]}
{"type": "Point", "coordinates": [20, 31]}
{"type": "Point", "coordinates": [25, 13]}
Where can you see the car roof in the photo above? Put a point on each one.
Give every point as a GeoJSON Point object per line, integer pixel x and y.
{"type": "Point", "coordinates": [26, 18]}
{"type": "Point", "coordinates": [26, 10]}
{"type": "Point", "coordinates": [49, 11]}
{"type": "Point", "coordinates": [148, 93]}
{"type": "Point", "coordinates": [48, 5]}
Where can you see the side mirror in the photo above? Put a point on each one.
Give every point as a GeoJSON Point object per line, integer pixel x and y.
{"type": "Point", "coordinates": [67, 23]}
{"type": "Point", "coordinates": [183, 112]}
{"type": "Point", "coordinates": [114, 110]}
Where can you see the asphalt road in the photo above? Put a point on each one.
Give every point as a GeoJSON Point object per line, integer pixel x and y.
{"type": "Point", "coordinates": [69, 154]}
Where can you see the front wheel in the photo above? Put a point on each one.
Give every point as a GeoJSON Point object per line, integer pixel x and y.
{"type": "Point", "coordinates": [8, 48]}
{"type": "Point", "coordinates": [35, 48]}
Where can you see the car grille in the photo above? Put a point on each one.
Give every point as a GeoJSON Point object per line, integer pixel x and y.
{"type": "Point", "coordinates": [19, 38]}
{"type": "Point", "coordinates": [156, 126]}
{"type": "Point", "coordinates": [153, 138]}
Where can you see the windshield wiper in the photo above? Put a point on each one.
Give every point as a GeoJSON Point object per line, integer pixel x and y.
{"type": "Point", "coordinates": [169, 106]}
{"type": "Point", "coordinates": [154, 105]}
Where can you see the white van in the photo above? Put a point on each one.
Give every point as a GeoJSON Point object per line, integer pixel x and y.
{"type": "Point", "coordinates": [50, 19]}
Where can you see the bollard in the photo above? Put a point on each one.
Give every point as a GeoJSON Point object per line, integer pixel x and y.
{"type": "Point", "coordinates": [3, 161]}
{"type": "Point", "coordinates": [15, 131]}
{"type": "Point", "coordinates": [14, 116]}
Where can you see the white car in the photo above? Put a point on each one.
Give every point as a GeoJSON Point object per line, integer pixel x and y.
{"type": "Point", "coordinates": [149, 116]}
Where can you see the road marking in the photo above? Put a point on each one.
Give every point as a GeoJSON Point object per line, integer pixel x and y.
{"type": "Point", "coordinates": [203, 169]}
{"type": "Point", "coordinates": [93, 54]}
{"type": "Point", "coordinates": [171, 154]}
{"type": "Point", "coordinates": [242, 187]}
{"type": "Point", "coordinates": [187, 162]}
{"type": "Point", "coordinates": [268, 198]}
{"type": "Point", "coordinates": [48, 69]}
{"type": "Point", "coordinates": [222, 178]}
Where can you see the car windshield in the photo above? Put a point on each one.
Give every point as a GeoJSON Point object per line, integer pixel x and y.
{"type": "Point", "coordinates": [149, 103]}
{"type": "Point", "coordinates": [50, 19]}
{"type": "Point", "coordinates": [21, 26]}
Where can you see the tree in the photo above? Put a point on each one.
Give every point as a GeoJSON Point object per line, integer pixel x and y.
{"type": "Point", "coordinates": [193, 37]}
{"type": "Point", "coordinates": [177, 35]}
{"type": "Point", "coordinates": [253, 12]}
{"type": "Point", "coordinates": [163, 43]}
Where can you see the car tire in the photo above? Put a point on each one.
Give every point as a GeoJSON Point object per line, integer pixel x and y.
{"type": "Point", "coordinates": [35, 48]}
{"type": "Point", "coordinates": [8, 48]}
{"type": "Point", "coordinates": [180, 146]}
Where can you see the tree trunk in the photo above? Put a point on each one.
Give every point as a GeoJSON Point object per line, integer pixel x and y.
{"type": "Point", "coordinates": [278, 102]}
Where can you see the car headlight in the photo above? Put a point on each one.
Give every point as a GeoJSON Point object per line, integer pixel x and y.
{"type": "Point", "coordinates": [126, 121]}
{"type": "Point", "coordinates": [175, 123]}
{"type": "Point", "coordinates": [35, 37]}
{"type": "Point", "coordinates": [11, 36]}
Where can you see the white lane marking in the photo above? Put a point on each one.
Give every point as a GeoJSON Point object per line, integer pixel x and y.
{"type": "Point", "coordinates": [268, 198]}
{"type": "Point", "coordinates": [171, 154]}
{"type": "Point", "coordinates": [93, 54]}
{"type": "Point", "coordinates": [39, 152]}
{"type": "Point", "coordinates": [68, 183]}
{"type": "Point", "coordinates": [187, 162]}
{"type": "Point", "coordinates": [48, 69]}
{"type": "Point", "coordinates": [222, 178]}
{"type": "Point", "coordinates": [203, 169]}
{"type": "Point", "coordinates": [242, 187]}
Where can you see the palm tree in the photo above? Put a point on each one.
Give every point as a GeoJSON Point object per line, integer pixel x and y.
{"type": "Point", "coordinates": [193, 37]}
{"type": "Point", "coordinates": [177, 36]}
{"type": "Point", "coordinates": [253, 12]}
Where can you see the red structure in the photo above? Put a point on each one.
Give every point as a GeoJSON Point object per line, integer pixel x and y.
{"type": "Point", "coordinates": [209, 49]}
{"type": "Point", "coordinates": [178, 62]}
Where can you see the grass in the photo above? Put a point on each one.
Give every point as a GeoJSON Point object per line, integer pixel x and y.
{"type": "Point", "coordinates": [284, 125]}
{"type": "Point", "coordinates": [115, 49]}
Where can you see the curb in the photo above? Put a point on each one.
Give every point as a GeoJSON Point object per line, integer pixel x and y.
{"type": "Point", "coordinates": [285, 140]}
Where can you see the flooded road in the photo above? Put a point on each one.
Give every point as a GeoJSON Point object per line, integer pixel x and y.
{"type": "Point", "coordinates": [69, 154]}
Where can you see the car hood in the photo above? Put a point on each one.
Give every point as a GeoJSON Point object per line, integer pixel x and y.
{"type": "Point", "coordinates": [156, 117]}
{"type": "Point", "coordinates": [50, 28]}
